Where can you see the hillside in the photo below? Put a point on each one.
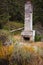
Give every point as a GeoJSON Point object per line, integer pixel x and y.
{"type": "Point", "coordinates": [22, 53]}
{"type": "Point", "coordinates": [15, 51]}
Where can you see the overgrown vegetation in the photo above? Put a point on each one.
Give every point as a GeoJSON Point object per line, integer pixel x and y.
{"type": "Point", "coordinates": [12, 17]}
{"type": "Point", "coordinates": [5, 37]}
{"type": "Point", "coordinates": [6, 43]}
{"type": "Point", "coordinates": [13, 25]}
{"type": "Point", "coordinates": [38, 37]}
{"type": "Point", "coordinates": [24, 55]}
{"type": "Point", "coordinates": [13, 10]}
{"type": "Point", "coordinates": [17, 53]}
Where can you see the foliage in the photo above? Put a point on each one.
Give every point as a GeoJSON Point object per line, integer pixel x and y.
{"type": "Point", "coordinates": [4, 16]}
{"type": "Point", "coordinates": [10, 10]}
{"type": "Point", "coordinates": [25, 54]}
{"type": "Point", "coordinates": [6, 44]}
{"type": "Point", "coordinates": [5, 37]}
{"type": "Point", "coordinates": [14, 10]}
{"type": "Point", "coordinates": [22, 54]}
{"type": "Point", "coordinates": [12, 25]}
{"type": "Point", "coordinates": [6, 51]}
{"type": "Point", "coordinates": [37, 37]}
{"type": "Point", "coordinates": [38, 9]}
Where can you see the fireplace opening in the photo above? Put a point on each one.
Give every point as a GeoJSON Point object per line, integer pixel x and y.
{"type": "Point", "coordinates": [26, 38]}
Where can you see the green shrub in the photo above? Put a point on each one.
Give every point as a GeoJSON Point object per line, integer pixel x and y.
{"type": "Point", "coordinates": [12, 25]}
{"type": "Point", "coordinates": [37, 37]}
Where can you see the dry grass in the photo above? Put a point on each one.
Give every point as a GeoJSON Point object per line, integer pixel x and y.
{"type": "Point", "coordinates": [22, 53]}
{"type": "Point", "coordinates": [6, 51]}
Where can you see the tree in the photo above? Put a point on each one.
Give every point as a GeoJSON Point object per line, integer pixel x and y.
{"type": "Point", "coordinates": [14, 10]}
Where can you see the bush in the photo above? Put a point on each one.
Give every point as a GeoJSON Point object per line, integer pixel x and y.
{"type": "Point", "coordinates": [25, 55]}
{"type": "Point", "coordinates": [5, 37]}
{"type": "Point", "coordinates": [12, 25]}
{"type": "Point", "coordinates": [37, 37]}
{"type": "Point", "coordinates": [6, 44]}
{"type": "Point", "coordinates": [21, 54]}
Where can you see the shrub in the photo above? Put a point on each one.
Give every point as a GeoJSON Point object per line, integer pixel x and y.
{"type": "Point", "coordinates": [6, 44]}
{"type": "Point", "coordinates": [6, 51]}
{"type": "Point", "coordinates": [37, 37]}
{"type": "Point", "coordinates": [5, 37]}
{"type": "Point", "coordinates": [24, 55]}
{"type": "Point", "coordinates": [12, 25]}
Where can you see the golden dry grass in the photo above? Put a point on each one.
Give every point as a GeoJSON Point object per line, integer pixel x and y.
{"type": "Point", "coordinates": [25, 53]}
{"type": "Point", "coordinates": [6, 50]}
